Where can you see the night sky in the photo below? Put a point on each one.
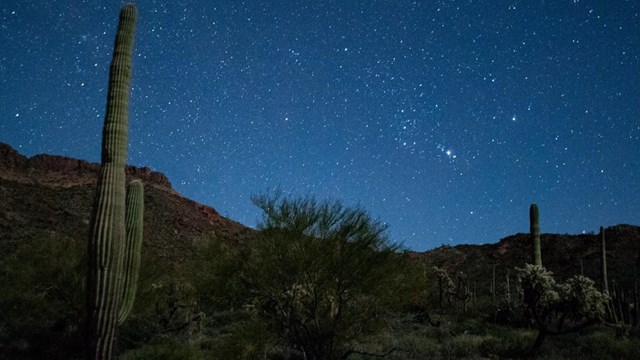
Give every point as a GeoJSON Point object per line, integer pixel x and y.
{"type": "Point", "coordinates": [444, 119]}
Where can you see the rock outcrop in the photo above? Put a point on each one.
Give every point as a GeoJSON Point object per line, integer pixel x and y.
{"type": "Point", "coordinates": [53, 194]}
{"type": "Point", "coordinates": [61, 171]}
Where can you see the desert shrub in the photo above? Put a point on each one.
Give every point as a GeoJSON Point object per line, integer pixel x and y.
{"type": "Point", "coordinates": [323, 274]}
{"type": "Point", "coordinates": [468, 325]}
{"type": "Point", "coordinates": [245, 339]}
{"type": "Point", "coordinates": [219, 282]}
{"type": "Point", "coordinates": [415, 347]}
{"type": "Point", "coordinates": [166, 348]}
{"type": "Point", "coordinates": [506, 343]}
{"type": "Point", "coordinates": [169, 309]}
{"type": "Point", "coordinates": [604, 345]}
{"type": "Point", "coordinates": [462, 346]}
{"type": "Point", "coordinates": [597, 343]}
{"type": "Point", "coordinates": [42, 298]}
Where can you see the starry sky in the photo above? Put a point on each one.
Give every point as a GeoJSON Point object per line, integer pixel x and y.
{"type": "Point", "coordinates": [444, 119]}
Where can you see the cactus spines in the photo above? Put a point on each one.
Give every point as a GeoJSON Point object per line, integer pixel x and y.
{"type": "Point", "coordinates": [131, 266]}
{"type": "Point", "coordinates": [107, 229]}
{"type": "Point", "coordinates": [535, 234]}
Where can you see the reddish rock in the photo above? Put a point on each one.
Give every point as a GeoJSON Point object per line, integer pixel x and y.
{"type": "Point", "coordinates": [10, 158]}
{"type": "Point", "coordinates": [147, 175]}
{"type": "Point", "coordinates": [60, 164]}
{"type": "Point", "coordinates": [62, 171]}
{"type": "Point", "coordinates": [209, 212]}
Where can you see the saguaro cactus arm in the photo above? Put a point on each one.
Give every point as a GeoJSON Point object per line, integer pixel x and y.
{"type": "Point", "coordinates": [133, 247]}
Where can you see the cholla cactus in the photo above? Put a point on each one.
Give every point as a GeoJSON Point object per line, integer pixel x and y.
{"type": "Point", "coordinates": [559, 308]}
{"type": "Point", "coordinates": [578, 298]}
{"type": "Point", "coordinates": [446, 288]}
{"type": "Point", "coordinates": [539, 287]}
{"type": "Point", "coordinates": [584, 299]}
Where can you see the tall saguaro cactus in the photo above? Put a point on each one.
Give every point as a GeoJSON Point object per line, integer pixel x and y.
{"type": "Point", "coordinates": [535, 234]}
{"type": "Point", "coordinates": [107, 230]}
{"type": "Point", "coordinates": [131, 266]}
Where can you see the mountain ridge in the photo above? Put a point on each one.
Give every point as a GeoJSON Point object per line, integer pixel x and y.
{"type": "Point", "coordinates": [50, 193]}
{"type": "Point", "coordinates": [38, 168]}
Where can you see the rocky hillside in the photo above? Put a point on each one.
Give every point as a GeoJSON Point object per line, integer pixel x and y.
{"type": "Point", "coordinates": [565, 255]}
{"type": "Point", "coordinates": [46, 194]}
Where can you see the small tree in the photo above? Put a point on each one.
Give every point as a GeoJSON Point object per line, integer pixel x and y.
{"type": "Point", "coordinates": [321, 275]}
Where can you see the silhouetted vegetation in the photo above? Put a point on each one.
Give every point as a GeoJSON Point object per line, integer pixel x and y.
{"type": "Point", "coordinates": [318, 280]}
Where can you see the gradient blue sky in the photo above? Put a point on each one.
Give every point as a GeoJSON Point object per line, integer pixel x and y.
{"type": "Point", "coordinates": [445, 119]}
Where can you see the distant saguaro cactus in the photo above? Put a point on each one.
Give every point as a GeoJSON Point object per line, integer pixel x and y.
{"type": "Point", "coordinates": [603, 252]}
{"type": "Point", "coordinates": [133, 248]}
{"type": "Point", "coordinates": [107, 230]}
{"type": "Point", "coordinates": [535, 234]}
{"type": "Point", "coordinates": [614, 308]}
